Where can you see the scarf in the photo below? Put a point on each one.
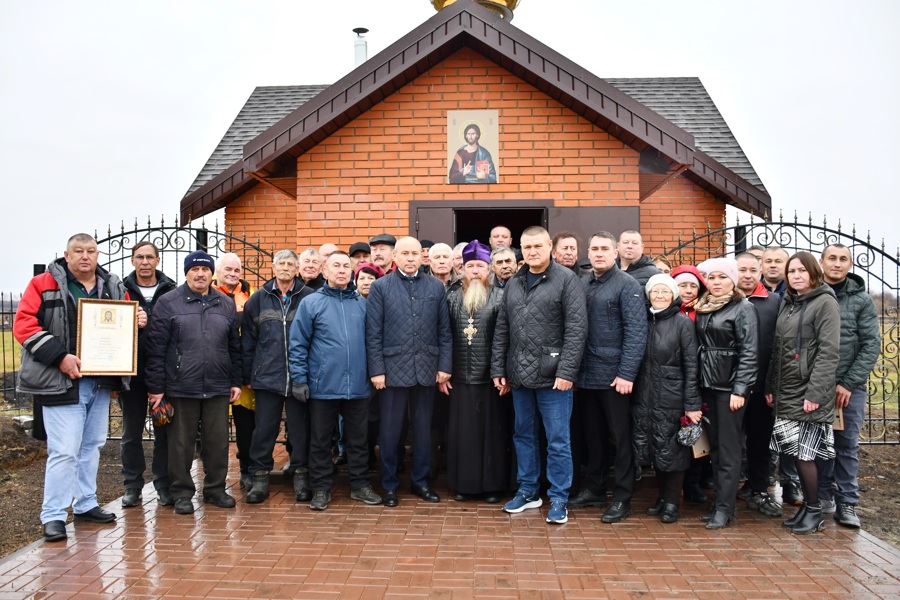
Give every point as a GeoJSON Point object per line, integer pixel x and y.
{"type": "Point", "coordinates": [710, 304]}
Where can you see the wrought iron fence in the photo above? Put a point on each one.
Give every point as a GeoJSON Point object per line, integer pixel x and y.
{"type": "Point", "coordinates": [879, 267]}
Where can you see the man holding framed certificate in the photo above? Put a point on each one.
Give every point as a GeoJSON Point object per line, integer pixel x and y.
{"type": "Point", "coordinates": [75, 406]}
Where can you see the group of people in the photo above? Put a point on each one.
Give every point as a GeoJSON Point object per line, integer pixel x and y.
{"type": "Point", "coordinates": [531, 368]}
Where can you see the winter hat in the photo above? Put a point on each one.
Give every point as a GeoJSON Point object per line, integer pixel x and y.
{"type": "Point", "coordinates": [370, 268]}
{"type": "Point", "coordinates": [728, 266]}
{"type": "Point", "coordinates": [199, 258]}
{"type": "Point", "coordinates": [687, 277]}
{"type": "Point", "coordinates": [661, 278]}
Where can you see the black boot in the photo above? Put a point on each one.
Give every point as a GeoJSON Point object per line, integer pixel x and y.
{"type": "Point", "coordinates": [260, 489]}
{"type": "Point", "coordinates": [301, 486]}
{"type": "Point", "coordinates": [798, 516]}
{"type": "Point", "coordinates": [812, 520]}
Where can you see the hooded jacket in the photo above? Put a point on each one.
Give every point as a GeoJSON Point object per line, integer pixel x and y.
{"type": "Point", "coordinates": [860, 333]}
{"type": "Point", "coordinates": [165, 285]}
{"type": "Point", "coordinates": [805, 355]}
{"type": "Point", "coordinates": [46, 326]}
{"type": "Point", "coordinates": [666, 388]}
{"type": "Point", "coordinates": [328, 345]}
{"type": "Point", "coordinates": [265, 332]}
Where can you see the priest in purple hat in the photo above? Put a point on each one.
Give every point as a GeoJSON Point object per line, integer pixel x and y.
{"type": "Point", "coordinates": [480, 435]}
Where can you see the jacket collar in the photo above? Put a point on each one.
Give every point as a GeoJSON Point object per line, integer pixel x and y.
{"type": "Point", "coordinates": [272, 288]}
{"type": "Point", "coordinates": [605, 277]}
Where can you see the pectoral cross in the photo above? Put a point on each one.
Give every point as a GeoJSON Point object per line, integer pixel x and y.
{"type": "Point", "coordinates": [470, 331]}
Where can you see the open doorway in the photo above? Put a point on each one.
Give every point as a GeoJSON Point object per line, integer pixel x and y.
{"type": "Point", "coordinates": [476, 223]}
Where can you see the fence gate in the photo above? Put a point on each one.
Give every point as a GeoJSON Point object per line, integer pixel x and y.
{"type": "Point", "coordinates": [879, 267]}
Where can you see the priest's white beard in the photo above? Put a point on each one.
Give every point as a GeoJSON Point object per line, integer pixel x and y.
{"type": "Point", "coordinates": [475, 294]}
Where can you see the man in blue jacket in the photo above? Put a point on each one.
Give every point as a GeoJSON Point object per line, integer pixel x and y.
{"type": "Point", "coordinates": [617, 337]}
{"type": "Point", "coordinates": [409, 350]}
{"type": "Point", "coordinates": [265, 324]}
{"type": "Point", "coordinates": [328, 366]}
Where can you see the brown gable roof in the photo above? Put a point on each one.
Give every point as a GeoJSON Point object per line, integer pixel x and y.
{"type": "Point", "coordinates": [466, 24]}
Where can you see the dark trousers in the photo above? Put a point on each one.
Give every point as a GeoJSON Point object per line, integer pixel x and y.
{"type": "Point", "coordinates": [134, 417]}
{"type": "Point", "coordinates": [394, 402]}
{"type": "Point", "coordinates": [322, 417]}
{"type": "Point", "coordinates": [606, 417]}
{"type": "Point", "coordinates": [244, 421]}
{"type": "Point", "coordinates": [758, 422]}
{"type": "Point", "coordinates": [210, 416]}
{"type": "Point", "coordinates": [725, 447]}
{"type": "Point", "coordinates": [669, 484]}
{"type": "Point", "coordinates": [269, 407]}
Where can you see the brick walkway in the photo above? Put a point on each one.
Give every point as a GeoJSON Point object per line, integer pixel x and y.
{"type": "Point", "coordinates": [450, 550]}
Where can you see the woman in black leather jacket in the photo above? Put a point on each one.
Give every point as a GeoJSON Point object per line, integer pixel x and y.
{"type": "Point", "coordinates": [727, 334]}
{"type": "Point", "coordinates": [666, 391]}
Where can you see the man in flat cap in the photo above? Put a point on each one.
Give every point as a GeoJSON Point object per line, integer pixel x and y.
{"type": "Point", "coordinates": [382, 249]}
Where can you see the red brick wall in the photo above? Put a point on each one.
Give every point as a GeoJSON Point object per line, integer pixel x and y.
{"type": "Point", "coordinates": [678, 209]}
{"type": "Point", "coordinates": [360, 181]}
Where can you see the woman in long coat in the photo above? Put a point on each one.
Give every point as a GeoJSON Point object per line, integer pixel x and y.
{"type": "Point", "coordinates": [667, 390]}
{"type": "Point", "coordinates": [801, 383]}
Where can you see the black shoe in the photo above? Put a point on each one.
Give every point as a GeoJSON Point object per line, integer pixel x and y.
{"type": "Point", "coordinates": [791, 494]}
{"type": "Point", "coordinates": [718, 520]}
{"type": "Point", "coordinates": [494, 497]}
{"type": "Point", "coordinates": [813, 520]}
{"type": "Point", "coordinates": [219, 498]}
{"type": "Point", "coordinates": [695, 495]}
{"type": "Point", "coordinates": [54, 531]}
{"type": "Point", "coordinates": [163, 498]}
{"type": "Point", "coordinates": [341, 459]}
{"type": "Point", "coordinates": [656, 509]}
{"type": "Point", "coordinates": [260, 489]}
{"type": "Point", "coordinates": [708, 516]}
{"type": "Point", "coordinates": [765, 504]}
{"type": "Point", "coordinates": [390, 498]}
{"type": "Point", "coordinates": [845, 514]}
{"type": "Point", "coordinates": [461, 497]}
{"type": "Point", "coordinates": [246, 481]}
{"type": "Point", "coordinates": [95, 515]}
{"type": "Point", "coordinates": [616, 512]}
{"type": "Point", "coordinates": [669, 513]}
{"type": "Point", "coordinates": [131, 498]}
{"type": "Point", "coordinates": [587, 498]}
{"type": "Point", "coordinates": [302, 490]}
{"type": "Point", "coordinates": [183, 506]}
{"type": "Point", "coordinates": [708, 483]}
{"type": "Point", "coordinates": [798, 516]}
{"type": "Point", "coordinates": [425, 493]}
{"type": "Point", "coordinates": [746, 491]}
{"type": "Point", "coordinates": [320, 500]}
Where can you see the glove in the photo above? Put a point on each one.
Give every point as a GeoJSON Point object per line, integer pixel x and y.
{"type": "Point", "coordinates": [300, 391]}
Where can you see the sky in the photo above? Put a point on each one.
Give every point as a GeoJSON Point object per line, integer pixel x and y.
{"type": "Point", "coordinates": [109, 109]}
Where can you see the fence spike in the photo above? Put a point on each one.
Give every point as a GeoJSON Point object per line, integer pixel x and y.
{"type": "Point", "coordinates": [737, 218]}
{"type": "Point", "coordinates": [854, 230]}
{"type": "Point", "coordinates": [795, 216]}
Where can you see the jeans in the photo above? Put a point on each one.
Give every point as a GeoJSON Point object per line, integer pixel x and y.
{"type": "Point", "coordinates": [134, 417]}
{"type": "Point", "coordinates": [269, 406]}
{"type": "Point", "coordinates": [554, 407]}
{"type": "Point", "coordinates": [322, 416]}
{"type": "Point", "coordinates": [210, 416]}
{"type": "Point", "coordinates": [394, 401]}
{"type": "Point", "coordinates": [838, 477]}
{"type": "Point", "coordinates": [75, 434]}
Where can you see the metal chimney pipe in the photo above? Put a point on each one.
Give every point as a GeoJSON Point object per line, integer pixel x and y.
{"type": "Point", "coordinates": [360, 47]}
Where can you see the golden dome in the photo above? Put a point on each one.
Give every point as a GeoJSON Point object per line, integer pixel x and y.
{"type": "Point", "coordinates": [504, 8]}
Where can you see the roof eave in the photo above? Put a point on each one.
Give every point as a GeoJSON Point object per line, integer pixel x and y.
{"type": "Point", "coordinates": [725, 183]}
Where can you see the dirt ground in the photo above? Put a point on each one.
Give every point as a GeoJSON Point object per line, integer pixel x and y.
{"type": "Point", "coordinates": [22, 477]}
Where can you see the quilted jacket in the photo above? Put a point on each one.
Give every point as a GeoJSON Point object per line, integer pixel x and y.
{"type": "Point", "coordinates": [408, 337]}
{"type": "Point", "coordinates": [472, 359]}
{"type": "Point", "coordinates": [666, 388]}
{"type": "Point", "coordinates": [617, 329]}
{"type": "Point", "coordinates": [860, 334]}
{"type": "Point", "coordinates": [265, 326]}
{"type": "Point", "coordinates": [540, 331]}
{"type": "Point", "coordinates": [805, 355]}
{"type": "Point", "coordinates": [642, 270]}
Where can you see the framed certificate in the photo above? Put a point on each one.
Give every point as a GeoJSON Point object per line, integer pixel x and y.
{"type": "Point", "coordinates": [107, 337]}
